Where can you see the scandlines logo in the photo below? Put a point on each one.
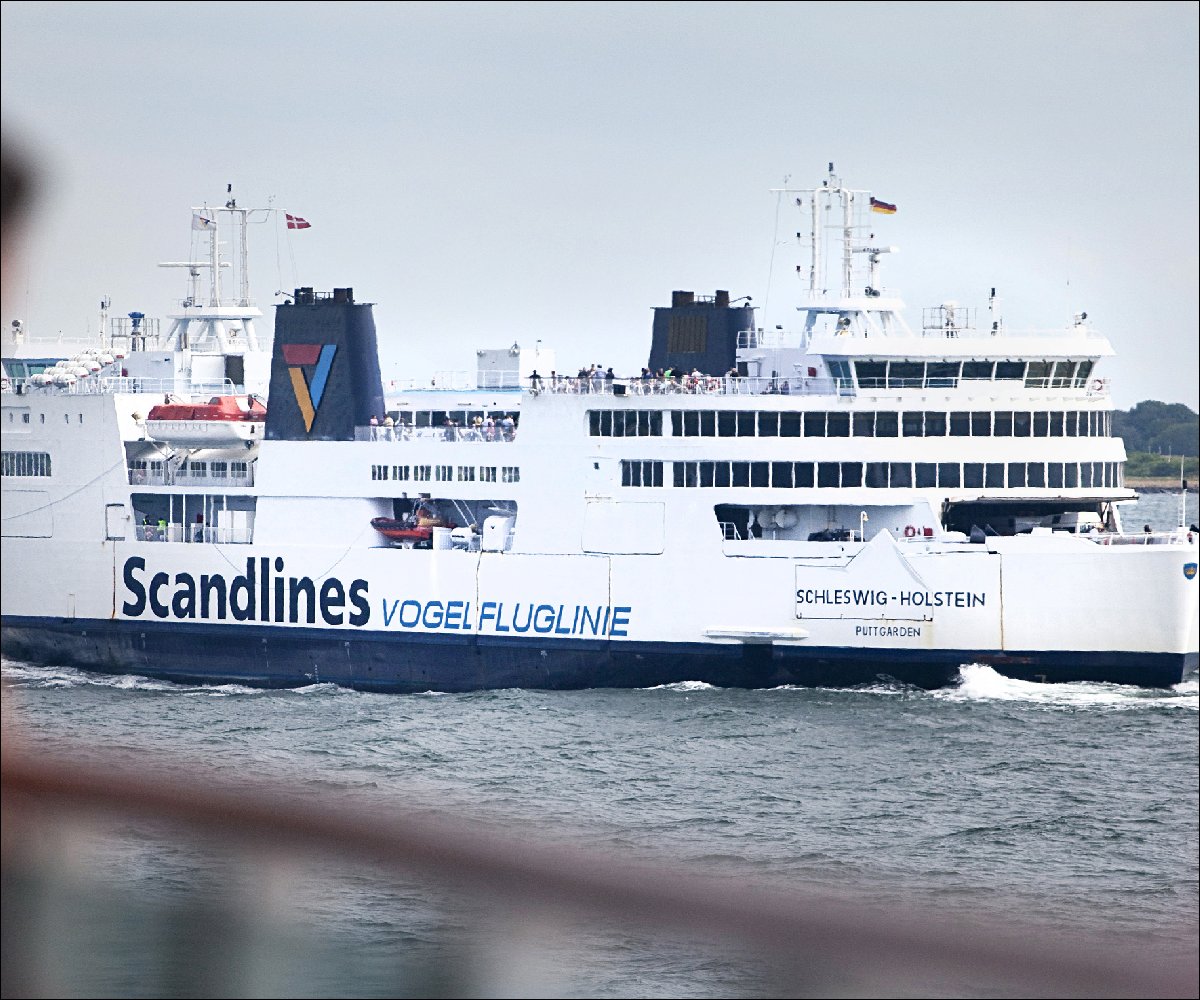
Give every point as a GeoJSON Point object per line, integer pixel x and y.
{"type": "Point", "coordinates": [318, 357]}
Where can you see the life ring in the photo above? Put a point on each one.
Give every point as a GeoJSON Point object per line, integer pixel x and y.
{"type": "Point", "coordinates": [1097, 384]}
{"type": "Point", "coordinates": [910, 531]}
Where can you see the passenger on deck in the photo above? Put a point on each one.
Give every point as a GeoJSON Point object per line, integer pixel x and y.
{"type": "Point", "coordinates": [535, 382]}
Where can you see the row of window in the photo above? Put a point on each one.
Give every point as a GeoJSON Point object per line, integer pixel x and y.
{"type": "Point", "coordinates": [885, 423]}
{"type": "Point", "coordinates": [25, 417]}
{"type": "Point", "coordinates": [192, 468]}
{"type": "Point", "coordinates": [625, 423]}
{"type": "Point", "coordinates": [931, 374]}
{"type": "Point", "coordinates": [460, 418]}
{"type": "Point", "coordinates": [879, 475]}
{"type": "Point", "coordinates": [446, 473]}
{"type": "Point", "coordinates": [24, 463]}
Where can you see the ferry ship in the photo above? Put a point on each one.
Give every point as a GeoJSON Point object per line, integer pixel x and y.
{"type": "Point", "coordinates": [845, 501]}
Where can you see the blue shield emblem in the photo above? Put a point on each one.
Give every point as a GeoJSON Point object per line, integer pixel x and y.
{"type": "Point", "coordinates": [1189, 570]}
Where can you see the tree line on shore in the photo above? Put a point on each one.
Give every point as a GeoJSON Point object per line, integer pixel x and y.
{"type": "Point", "coordinates": [1157, 435]}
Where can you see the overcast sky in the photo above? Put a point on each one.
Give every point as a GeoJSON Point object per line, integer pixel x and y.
{"type": "Point", "coordinates": [491, 173]}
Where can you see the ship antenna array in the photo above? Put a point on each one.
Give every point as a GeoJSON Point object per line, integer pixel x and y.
{"type": "Point", "coordinates": [207, 219]}
{"type": "Point", "coordinates": [830, 198]}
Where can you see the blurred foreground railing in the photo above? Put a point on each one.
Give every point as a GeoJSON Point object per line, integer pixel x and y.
{"type": "Point", "coordinates": [806, 945]}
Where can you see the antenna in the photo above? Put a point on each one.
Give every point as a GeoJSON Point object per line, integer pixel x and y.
{"type": "Point", "coordinates": [104, 304]}
{"type": "Point", "coordinates": [994, 310]}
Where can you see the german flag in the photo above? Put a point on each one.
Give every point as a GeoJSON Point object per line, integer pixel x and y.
{"type": "Point", "coordinates": [882, 207]}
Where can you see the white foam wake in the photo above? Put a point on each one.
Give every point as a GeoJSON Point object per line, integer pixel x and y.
{"type": "Point", "coordinates": [978, 682]}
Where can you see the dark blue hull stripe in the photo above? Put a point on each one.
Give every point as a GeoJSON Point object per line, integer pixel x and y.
{"type": "Point", "coordinates": [270, 656]}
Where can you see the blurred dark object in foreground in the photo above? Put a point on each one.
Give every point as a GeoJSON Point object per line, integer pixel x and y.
{"type": "Point", "coordinates": [460, 910]}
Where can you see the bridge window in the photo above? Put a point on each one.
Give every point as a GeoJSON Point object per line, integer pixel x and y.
{"type": "Point", "coordinates": [1037, 375]}
{"type": "Point", "coordinates": [977, 369]}
{"type": "Point", "coordinates": [871, 374]}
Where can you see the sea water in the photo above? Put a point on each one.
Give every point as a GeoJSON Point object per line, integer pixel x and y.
{"type": "Point", "coordinates": [1048, 806]}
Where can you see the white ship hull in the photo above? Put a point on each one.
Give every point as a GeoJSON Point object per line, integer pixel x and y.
{"type": "Point", "coordinates": [415, 620]}
{"type": "Point", "coordinates": [887, 511]}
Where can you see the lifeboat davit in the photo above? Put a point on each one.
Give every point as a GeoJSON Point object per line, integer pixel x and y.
{"type": "Point", "coordinates": [222, 421]}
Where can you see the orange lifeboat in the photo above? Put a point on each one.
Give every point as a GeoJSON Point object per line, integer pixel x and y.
{"type": "Point", "coordinates": [222, 421]}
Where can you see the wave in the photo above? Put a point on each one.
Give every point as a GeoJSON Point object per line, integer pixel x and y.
{"type": "Point", "coordinates": [18, 674]}
{"type": "Point", "coordinates": [684, 686]}
{"type": "Point", "coordinates": [978, 682]}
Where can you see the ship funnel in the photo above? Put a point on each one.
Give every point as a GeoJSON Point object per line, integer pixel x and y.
{"type": "Point", "coordinates": [325, 378]}
{"type": "Point", "coordinates": [699, 332]}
